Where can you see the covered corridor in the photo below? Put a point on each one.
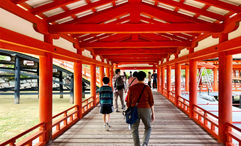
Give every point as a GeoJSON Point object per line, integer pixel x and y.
{"type": "Point", "coordinates": [171, 127]}
{"type": "Point", "coordinates": [105, 35]}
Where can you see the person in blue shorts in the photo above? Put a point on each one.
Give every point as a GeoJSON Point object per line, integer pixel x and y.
{"type": "Point", "coordinates": [106, 102]}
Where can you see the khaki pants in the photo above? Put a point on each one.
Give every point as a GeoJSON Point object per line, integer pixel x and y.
{"type": "Point", "coordinates": [145, 115]}
{"type": "Point", "coordinates": [120, 94]}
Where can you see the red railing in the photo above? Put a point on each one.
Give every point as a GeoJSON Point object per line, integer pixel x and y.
{"type": "Point", "coordinates": [172, 96]}
{"type": "Point", "coordinates": [64, 120]}
{"type": "Point", "coordinates": [234, 135]}
{"type": "Point", "coordinates": [61, 122]}
{"type": "Point", "coordinates": [183, 104]}
{"type": "Point", "coordinates": [36, 138]}
{"type": "Point", "coordinates": [207, 120]}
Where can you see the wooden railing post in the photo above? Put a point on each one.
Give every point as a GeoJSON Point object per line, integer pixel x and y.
{"type": "Point", "coordinates": [168, 81]}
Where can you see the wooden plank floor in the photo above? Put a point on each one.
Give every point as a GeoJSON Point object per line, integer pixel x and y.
{"type": "Point", "coordinates": [171, 127]}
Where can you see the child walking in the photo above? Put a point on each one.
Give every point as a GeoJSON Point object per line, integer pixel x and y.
{"type": "Point", "coordinates": [106, 102]}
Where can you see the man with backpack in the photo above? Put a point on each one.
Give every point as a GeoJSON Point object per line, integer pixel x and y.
{"type": "Point", "coordinates": [119, 87]}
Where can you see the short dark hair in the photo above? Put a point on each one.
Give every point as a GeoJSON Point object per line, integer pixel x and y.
{"type": "Point", "coordinates": [135, 74]}
{"type": "Point", "coordinates": [149, 72]}
{"type": "Point", "coordinates": [117, 71]}
{"type": "Point", "coordinates": [141, 76]}
{"type": "Point", "coordinates": [106, 80]}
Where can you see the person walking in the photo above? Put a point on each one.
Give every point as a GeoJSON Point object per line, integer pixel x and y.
{"type": "Point", "coordinates": [133, 80]}
{"type": "Point", "coordinates": [154, 76]}
{"type": "Point", "coordinates": [149, 79]}
{"type": "Point", "coordinates": [106, 102]}
{"type": "Point", "coordinates": [145, 108]}
{"type": "Point", "coordinates": [119, 87]}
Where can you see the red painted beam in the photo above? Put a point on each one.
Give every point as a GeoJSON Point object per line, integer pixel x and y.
{"type": "Point", "coordinates": [14, 41]}
{"type": "Point", "coordinates": [134, 51]}
{"type": "Point", "coordinates": [193, 9]}
{"type": "Point", "coordinates": [18, 1]}
{"type": "Point", "coordinates": [136, 68]}
{"type": "Point", "coordinates": [102, 16]}
{"type": "Point", "coordinates": [135, 44]}
{"type": "Point", "coordinates": [136, 28]}
{"type": "Point", "coordinates": [222, 5]}
{"type": "Point", "coordinates": [130, 56]}
{"type": "Point", "coordinates": [167, 15]}
{"type": "Point", "coordinates": [77, 10]}
{"type": "Point", "coordinates": [230, 47]}
{"type": "Point", "coordinates": [52, 5]}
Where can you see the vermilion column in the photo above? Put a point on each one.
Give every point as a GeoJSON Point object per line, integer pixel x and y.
{"type": "Point", "coordinates": [107, 72]}
{"type": "Point", "coordinates": [111, 76]}
{"type": "Point", "coordinates": [225, 92]}
{"type": "Point", "coordinates": [93, 82]}
{"type": "Point", "coordinates": [78, 87]}
{"type": "Point", "coordinates": [177, 82]}
{"type": "Point", "coordinates": [215, 79]}
{"type": "Point", "coordinates": [187, 78]}
{"type": "Point", "coordinates": [101, 75]}
{"type": "Point", "coordinates": [192, 86]}
{"type": "Point", "coordinates": [45, 91]}
{"type": "Point", "coordinates": [162, 78]}
{"type": "Point", "coordinates": [168, 80]}
{"type": "Point", "coordinates": [158, 79]}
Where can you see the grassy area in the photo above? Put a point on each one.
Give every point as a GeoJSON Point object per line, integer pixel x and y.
{"type": "Point", "coordinates": [16, 118]}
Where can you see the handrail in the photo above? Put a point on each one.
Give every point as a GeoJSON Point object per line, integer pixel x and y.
{"type": "Point", "coordinates": [234, 134]}
{"type": "Point", "coordinates": [63, 121]}
{"type": "Point", "coordinates": [27, 140]}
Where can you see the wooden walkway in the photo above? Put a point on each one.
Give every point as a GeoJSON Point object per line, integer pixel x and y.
{"type": "Point", "coordinates": [171, 127]}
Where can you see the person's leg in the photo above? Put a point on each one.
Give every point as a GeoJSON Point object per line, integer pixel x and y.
{"type": "Point", "coordinates": [116, 101]}
{"type": "Point", "coordinates": [145, 115]}
{"type": "Point", "coordinates": [135, 132]}
{"type": "Point", "coordinates": [107, 118]}
{"type": "Point", "coordinates": [121, 99]}
{"type": "Point", "coordinates": [104, 118]}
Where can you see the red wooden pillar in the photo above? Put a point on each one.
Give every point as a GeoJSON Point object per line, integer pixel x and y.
{"type": "Point", "coordinates": [169, 68]}
{"type": "Point", "coordinates": [78, 87]}
{"type": "Point", "coordinates": [225, 92]}
{"type": "Point", "coordinates": [192, 86]}
{"type": "Point", "coordinates": [111, 76]}
{"type": "Point", "coordinates": [93, 82]}
{"type": "Point", "coordinates": [215, 79]}
{"type": "Point", "coordinates": [158, 79]}
{"type": "Point", "coordinates": [107, 70]}
{"type": "Point", "coordinates": [101, 75]}
{"type": "Point", "coordinates": [177, 82]}
{"type": "Point", "coordinates": [162, 79]}
{"type": "Point", "coordinates": [187, 78]}
{"type": "Point", "coordinates": [45, 91]}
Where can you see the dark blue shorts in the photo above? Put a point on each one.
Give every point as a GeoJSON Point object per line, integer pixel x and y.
{"type": "Point", "coordinates": [106, 109]}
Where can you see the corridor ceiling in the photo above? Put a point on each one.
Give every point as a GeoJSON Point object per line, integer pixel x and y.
{"type": "Point", "coordinates": [135, 31]}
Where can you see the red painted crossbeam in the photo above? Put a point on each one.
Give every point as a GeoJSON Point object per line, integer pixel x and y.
{"type": "Point", "coordinates": [132, 51]}
{"type": "Point", "coordinates": [136, 28]}
{"type": "Point", "coordinates": [162, 44]}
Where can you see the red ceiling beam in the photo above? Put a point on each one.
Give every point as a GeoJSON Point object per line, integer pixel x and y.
{"type": "Point", "coordinates": [18, 1]}
{"type": "Point", "coordinates": [103, 16]}
{"type": "Point", "coordinates": [77, 10]}
{"type": "Point", "coordinates": [193, 9]}
{"type": "Point", "coordinates": [222, 5]}
{"type": "Point", "coordinates": [167, 15]}
{"type": "Point", "coordinates": [53, 5]}
{"type": "Point", "coordinates": [137, 57]}
{"type": "Point", "coordinates": [14, 41]}
{"type": "Point", "coordinates": [131, 51]}
{"type": "Point", "coordinates": [14, 9]}
{"type": "Point", "coordinates": [231, 47]}
{"type": "Point", "coordinates": [136, 68]}
{"type": "Point", "coordinates": [136, 28]}
{"type": "Point", "coordinates": [163, 44]}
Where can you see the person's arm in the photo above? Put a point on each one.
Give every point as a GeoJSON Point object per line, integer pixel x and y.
{"type": "Point", "coordinates": [152, 114]}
